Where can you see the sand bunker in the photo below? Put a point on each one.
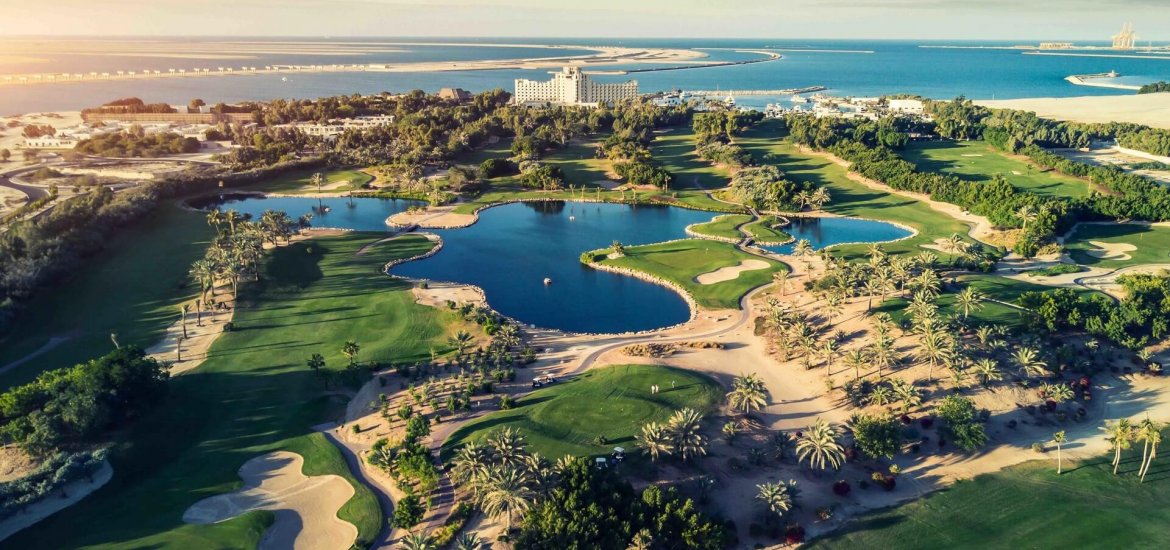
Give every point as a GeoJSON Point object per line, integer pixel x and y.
{"type": "Point", "coordinates": [306, 507]}
{"type": "Point", "coordinates": [1111, 251]}
{"type": "Point", "coordinates": [731, 272]}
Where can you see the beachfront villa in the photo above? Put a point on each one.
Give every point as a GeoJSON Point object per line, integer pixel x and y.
{"type": "Point", "coordinates": [571, 86]}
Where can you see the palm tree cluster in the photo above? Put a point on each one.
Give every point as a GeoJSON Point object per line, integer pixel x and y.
{"type": "Point", "coordinates": [1122, 434]}
{"type": "Point", "coordinates": [815, 200]}
{"type": "Point", "coordinates": [235, 253]}
{"type": "Point", "coordinates": [820, 446]}
{"type": "Point", "coordinates": [681, 435]}
{"type": "Point", "coordinates": [501, 477]}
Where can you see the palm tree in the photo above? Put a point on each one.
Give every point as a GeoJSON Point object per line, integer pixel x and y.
{"type": "Point", "coordinates": [987, 371]}
{"type": "Point", "coordinates": [954, 246]}
{"type": "Point", "coordinates": [1120, 436]}
{"type": "Point", "coordinates": [1029, 362]}
{"type": "Point", "coordinates": [747, 394]}
{"type": "Point", "coordinates": [1058, 393]}
{"type": "Point", "coordinates": [829, 349]}
{"type": "Point", "coordinates": [1026, 214]}
{"type": "Point", "coordinates": [471, 462]}
{"type": "Point", "coordinates": [183, 309]}
{"type": "Point", "coordinates": [907, 393]}
{"type": "Point", "coordinates": [350, 350]}
{"type": "Point", "coordinates": [656, 440]}
{"type": "Point", "coordinates": [921, 307]}
{"type": "Point", "coordinates": [316, 363]}
{"type": "Point", "coordinates": [776, 497]}
{"type": "Point", "coordinates": [802, 199]}
{"type": "Point", "coordinates": [927, 282]}
{"type": "Point", "coordinates": [462, 340]}
{"type": "Point", "coordinates": [881, 395]}
{"type": "Point", "coordinates": [418, 541]}
{"type": "Point", "coordinates": [820, 198]}
{"type": "Point", "coordinates": [685, 430]}
{"type": "Point", "coordinates": [317, 180]}
{"type": "Point", "coordinates": [1059, 439]}
{"type": "Point", "coordinates": [933, 348]}
{"type": "Point", "coordinates": [833, 307]}
{"type": "Point", "coordinates": [203, 271]}
{"type": "Point", "coordinates": [855, 359]}
{"type": "Point", "coordinates": [781, 278]}
{"type": "Point", "coordinates": [643, 540]}
{"type": "Point", "coordinates": [468, 541]}
{"type": "Point", "coordinates": [114, 339]}
{"type": "Point", "coordinates": [1150, 434]}
{"type": "Point", "coordinates": [507, 494]}
{"type": "Point", "coordinates": [215, 218]}
{"type": "Point", "coordinates": [802, 249]}
{"type": "Point", "coordinates": [818, 445]}
{"type": "Point", "coordinates": [507, 446]}
{"type": "Point", "coordinates": [884, 355]}
{"type": "Point", "coordinates": [969, 299]}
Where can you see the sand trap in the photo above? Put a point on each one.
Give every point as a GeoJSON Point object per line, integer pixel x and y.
{"type": "Point", "coordinates": [607, 184]}
{"type": "Point", "coordinates": [1111, 251]}
{"type": "Point", "coordinates": [731, 272]}
{"type": "Point", "coordinates": [306, 507]}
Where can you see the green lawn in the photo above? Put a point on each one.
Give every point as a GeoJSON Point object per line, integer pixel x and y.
{"type": "Point", "coordinates": [724, 227]}
{"type": "Point", "coordinates": [299, 182]}
{"type": "Point", "coordinates": [762, 231]}
{"type": "Point", "coordinates": [1027, 506]}
{"type": "Point", "coordinates": [473, 158]}
{"type": "Point", "coordinates": [254, 395]}
{"type": "Point", "coordinates": [681, 261]}
{"type": "Point", "coordinates": [978, 161]}
{"type": "Point", "coordinates": [132, 288]}
{"type": "Point", "coordinates": [992, 287]}
{"type": "Point", "coordinates": [674, 149]}
{"type": "Point", "coordinates": [568, 417]}
{"type": "Point", "coordinates": [1152, 242]}
{"type": "Point", "coordinates": [850, 198]}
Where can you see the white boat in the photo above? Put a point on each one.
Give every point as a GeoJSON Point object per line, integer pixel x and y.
{"type": "Point", "coordinates": [547, 281]}
{"type": "Point", "coordinates": [799, 99]}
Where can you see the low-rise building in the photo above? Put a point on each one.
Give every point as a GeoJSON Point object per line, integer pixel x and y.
{"type": "Point", "coordinates": [455, 94]}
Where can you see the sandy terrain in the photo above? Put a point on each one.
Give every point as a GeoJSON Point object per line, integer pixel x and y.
{"type": "Point", "coordinates": [11, 138]}
{"type": "Point", "coordinates": [1149, 109]}
{"type": "Point", "coordinates": [199, 339]}
{"type": "Point", "coordinates": [15, 463]}
{"type": "Point", "coordinates": [306, 507]}
{"type": "Point", "coordinates": [730, 273]}
{"type": "Point", "coordinates": [11, 199]}
{"type": "Point", "coordinates": [436, 217]}
{"type": "Point", "coordinates": [1111, 251]}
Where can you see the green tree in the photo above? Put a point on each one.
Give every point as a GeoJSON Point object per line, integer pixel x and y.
{"type": "Point", "coordinates": [350, 350]}
{"type": "Point", "coordinates": [315, 363]}
{"type": "Point", "coordinates": [878, 436]}
{"type": "Point", "coordinates": [818, 445]}
{"type": "Point", "coordinates": [961, 424]}
{"type": "Point", "coordinates": [408, 512]}
{"type": "Point", "coordinates": [1058, 438]}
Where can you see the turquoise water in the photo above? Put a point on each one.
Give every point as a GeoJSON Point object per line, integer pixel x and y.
{"type": "Point", "coordinates": [514, 247]}
{"type": "Point", "coordinates": [824, 232]}
{"type": "Point", "coordinates": [893, 67]}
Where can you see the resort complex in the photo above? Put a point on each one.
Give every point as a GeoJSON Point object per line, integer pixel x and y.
{"type": "Point", "coordinates": [571, 86]}
{"type": "Point", "coordinates": [405, 293]}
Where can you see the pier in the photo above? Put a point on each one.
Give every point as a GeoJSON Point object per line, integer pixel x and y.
{"type": "Point", "coordinates": [789, 91]}
{"type": "Point", "coordinates": [57, 78]}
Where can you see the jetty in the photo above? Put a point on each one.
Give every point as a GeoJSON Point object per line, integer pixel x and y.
{"type": "Point", "coordinates": [1100, 80]}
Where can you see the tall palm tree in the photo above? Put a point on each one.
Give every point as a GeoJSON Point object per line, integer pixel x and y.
{"type": "Point", "coordinates": [833, 307]}
{"type": "Point", "coordinates": [955, 246]}
{"type": "Point", "coordinates": [462, 340]}
{"type": "Point", "coordinates": [685, 429]}
{"type": "Point", "coordinates": [802, 249]}
{"type": "Point", "coordinates": [507, 494]}
{"type": "Point", "coordinates": [317, 180]}
{"type": "Point", "coordinates": [829, 350]}
{"type": "Point", "coordinates": [214, 218]}
{"type": "Point", "coordinates": [203, 271]}
{"type": "Point", "coordinates": [884, 355]}
{"type": "Point", "coordinates": [656, 440]}
{"type": "Point", "coordinates": [781, 278]}
{"type": "Point", "coordinates": [776, 497]}
{"type": "Point", "coordinates": [969, 299]}
{"type": "Point", "coordinates": [820, 198]}
{"type": "Point", "coordinates": [350, 350]}
{"type": "Point", "coordinates": [1120, 436]}
{"type": "Point", "coordinates": [856, 359]}
{"type": "Point", "coordinates": [927, 282]}
{"type": "Point", "coordinates": [819, 446]}
{"type": "Point", "coordinates": [934, 347]}
{"type": "Point", "coordinates": [1150, 434]}
{"type": "Point", "coordinates": [1028, 360]}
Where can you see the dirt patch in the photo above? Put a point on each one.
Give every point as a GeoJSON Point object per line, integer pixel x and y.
{"type": "Point", "coordinates": [730, 273]}
{"type": "Point", "coordinates": [306, 507]}
{"type": "Point", "coordinates": [15, 463]}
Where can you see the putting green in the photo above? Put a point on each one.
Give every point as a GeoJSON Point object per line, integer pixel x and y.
{"type": "Point", "coordinates": [571, 416]}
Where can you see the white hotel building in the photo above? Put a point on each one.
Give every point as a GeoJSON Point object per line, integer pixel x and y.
{"type": "Point", "coordinates": [572, 87]}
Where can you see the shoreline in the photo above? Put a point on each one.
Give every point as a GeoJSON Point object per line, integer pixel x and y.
{"type": "Point", "coordinates": [1146, 109]}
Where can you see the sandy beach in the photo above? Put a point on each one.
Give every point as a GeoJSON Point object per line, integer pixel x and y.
{"type": "Point", "coordinates": [1149, 109]}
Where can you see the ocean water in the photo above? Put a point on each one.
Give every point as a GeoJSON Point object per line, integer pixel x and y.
{"type": "Point", "coordinates": [892, 67]}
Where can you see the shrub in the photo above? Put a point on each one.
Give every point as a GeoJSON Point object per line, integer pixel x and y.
{"type": "Point", "coordinates": [841, 488]}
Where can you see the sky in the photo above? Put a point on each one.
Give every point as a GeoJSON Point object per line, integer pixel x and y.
{"type": "Point", "coordinates": [908, 19]}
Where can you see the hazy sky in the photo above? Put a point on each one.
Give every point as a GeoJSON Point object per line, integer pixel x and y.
{"type": "Point", "coordinates": [919, 19]}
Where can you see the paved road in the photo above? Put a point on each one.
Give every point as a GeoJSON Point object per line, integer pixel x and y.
{"type": "Point", "coordinates": [32, 191]}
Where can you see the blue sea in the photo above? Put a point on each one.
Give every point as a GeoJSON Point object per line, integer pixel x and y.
{"type": "Point", "coordinates": [980, 71]}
